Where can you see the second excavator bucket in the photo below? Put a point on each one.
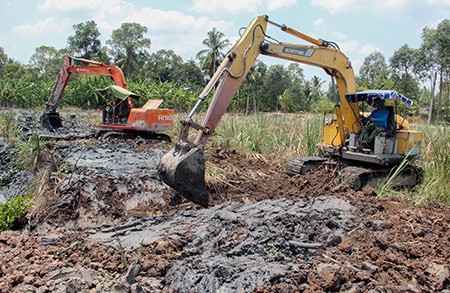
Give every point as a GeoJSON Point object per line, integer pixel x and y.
{"type": "Point", "coordinates": [183, 169]}
{"type": "Point", "coordinates": [51, 120]}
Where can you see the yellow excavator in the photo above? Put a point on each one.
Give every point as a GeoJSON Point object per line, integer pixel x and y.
{"type": "Point", "coordinates": [183, 167]}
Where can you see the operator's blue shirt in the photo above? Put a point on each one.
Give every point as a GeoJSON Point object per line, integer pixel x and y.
{"type": "Point", "coordinates": [380, 116]}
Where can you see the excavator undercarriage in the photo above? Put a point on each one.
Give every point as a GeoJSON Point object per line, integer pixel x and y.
{"type": "Point", "coordinates": [358, 176]}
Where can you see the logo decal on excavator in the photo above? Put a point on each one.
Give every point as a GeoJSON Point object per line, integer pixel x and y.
{"type": "Point", "coordinates": [165, 118]}
{"type": "Point", "coordinates": [77, 69]}
{"type": "Point", "coordinates": [299, 51]}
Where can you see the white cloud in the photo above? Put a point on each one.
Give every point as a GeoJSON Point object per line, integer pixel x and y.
{"type": "Point", "coordinates": [231, 6]}
{"type": "Point", "coordinates": [335, 7]}
{"type": "Point", "coordinates": [46, 27]}
{"type": "Point", "coordinates": [276, 4]}
{"type": "Point", "coordinates": [439, 2]}
{"type": "Point", "coordinates": [239, 6]}
{"type": "Point", "coordinates": [170, 20]}
{"type": "Point", "coordinates": [327, 33]}
{"type": "Point", "coordinates": [111, 6]}
{"type": "Point", "coordinates": [319, 22]}
{"type": "Point", "coordinates": [391, 4]}
{"type": "Point", "coordinates": [367, 49]}
{"type": "Point", "coordinates": [180, 32]}
{"type": "Point", "coordinates": [348, 46]}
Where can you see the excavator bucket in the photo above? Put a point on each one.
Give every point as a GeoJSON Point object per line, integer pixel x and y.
{"type": "Point", "coordinates": [51, 120]}
{"type": "Point", "coordinates": [183, 169]}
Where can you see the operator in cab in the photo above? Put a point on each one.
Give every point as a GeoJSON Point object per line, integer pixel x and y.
{"type": "Point", "coordinates": [377, 122]}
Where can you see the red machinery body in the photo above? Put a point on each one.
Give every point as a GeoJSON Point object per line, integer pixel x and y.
{"type": "Point", "coordinates": [149, 118]}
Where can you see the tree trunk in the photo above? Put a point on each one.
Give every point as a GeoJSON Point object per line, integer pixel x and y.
{"type": "Point", "coordinates": [447, 106]}
{"type": "Point", "coordinates": [248, 99]}
{"type": "Point", "coordinates": [438, 114]}
{"type": "Point", "coordinates": [433, 89]}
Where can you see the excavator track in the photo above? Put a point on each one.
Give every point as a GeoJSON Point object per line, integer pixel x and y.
{"type": "Point", "coordinates": [302, 165]}
{"type": "Point", "coordinates": [110, 134]}
{"type": "Point", "coordinates": [358, 177]}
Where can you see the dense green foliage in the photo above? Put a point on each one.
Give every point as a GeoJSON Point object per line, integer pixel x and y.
{"type": "Point", "coordinates": [84, 93]}
{"type": "Point", "coordinates": [13, 210]}
{"type": "Point", "coordinates": [265, 88]}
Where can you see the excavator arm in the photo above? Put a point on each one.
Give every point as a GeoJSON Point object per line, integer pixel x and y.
{"type": "Point", "coordinates": [50, 118]}
{"type": "Point", "coordinates": [183, 167]}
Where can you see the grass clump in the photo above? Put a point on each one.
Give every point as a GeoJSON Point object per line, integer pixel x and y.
{"type": "Point", "coordinates": [8, 126]}
{"type": "Point", "coordinates": [436, 165]}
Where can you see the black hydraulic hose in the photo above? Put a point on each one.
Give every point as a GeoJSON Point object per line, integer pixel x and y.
{"type": "Point", "coordinates": [245, 53]}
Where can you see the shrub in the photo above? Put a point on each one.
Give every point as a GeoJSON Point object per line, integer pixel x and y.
{"type": "Point", "coordinates": [13, 211]}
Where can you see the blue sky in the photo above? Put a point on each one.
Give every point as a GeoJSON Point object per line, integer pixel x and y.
{"type": "Point", "coordinates": [359, 27]}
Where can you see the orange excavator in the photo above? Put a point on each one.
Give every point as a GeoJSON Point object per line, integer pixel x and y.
{"type": "Point", "coordinates": [121, 115]}
{"type": "Point", "coordinates": [183, 167]}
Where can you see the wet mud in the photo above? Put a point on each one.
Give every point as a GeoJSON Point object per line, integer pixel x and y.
{"type": "Point", "coordinates": [103, 222]}
{"type": "Point", "coordinates": [13, 179]}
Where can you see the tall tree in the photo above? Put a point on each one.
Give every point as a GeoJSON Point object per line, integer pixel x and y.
{"type": "Point", "coordinates": [3, 60]}
{"type": "Point", "coordinates": [85, 42]}
{"type": "Point", "coordinates": [128, 43]}
{"type": "Point", "coordinates": [11, 69]}
{"type": "Point", "coordinates": [295, 93]}
{"type": "Point", "coordinates": [3, 56]}
{"type": "Point", "coordinates": [211, 57]}
{"type": "Point", "coordinates": [402, 64]}
{"type": "Point", "coordinates": [188, 73]}
{"type": "Point", "coordinates": [426, 64]}
{"type": "Point", "coordinates": [277, 82]}
{"type": "Point", "coordinates": [162, 64]}
{"type": "Point", "coordinates": [256, 81]}
{"type": "Point", "coordinates": [374, 71]}
{"type": "Point", "coordinates": [443, 52]}
{"type": "Point", "coordinates": [47, 61]}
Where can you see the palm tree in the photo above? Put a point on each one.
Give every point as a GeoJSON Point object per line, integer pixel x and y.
{"type": "Point", "coordinates": [317, 83]}
{"type": "Point", "coordinates": [211, 57]}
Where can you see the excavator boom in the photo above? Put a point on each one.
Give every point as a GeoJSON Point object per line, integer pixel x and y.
{"type": "Point", "coordinates": [50, 118]}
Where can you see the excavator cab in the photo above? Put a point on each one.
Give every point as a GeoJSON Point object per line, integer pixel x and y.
{"type": "Point", "coordinates": [391, 145]}
{"type": "Point", "coordinates": [117, 109]}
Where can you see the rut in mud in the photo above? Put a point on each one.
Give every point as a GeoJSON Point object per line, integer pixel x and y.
{"type": "Point", "coordinates": [103, 221]}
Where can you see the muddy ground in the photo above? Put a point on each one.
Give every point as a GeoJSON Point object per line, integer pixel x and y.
{"type": "Point", "coordinates": [102, 221]}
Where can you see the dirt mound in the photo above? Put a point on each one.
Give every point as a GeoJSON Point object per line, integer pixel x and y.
{"type": "Point", "coordinates": [104, 222]}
